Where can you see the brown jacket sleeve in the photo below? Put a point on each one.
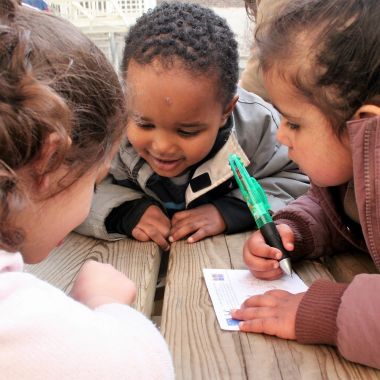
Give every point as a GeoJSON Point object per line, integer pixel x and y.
{"type": "Point", "coordinates": [343, 315]}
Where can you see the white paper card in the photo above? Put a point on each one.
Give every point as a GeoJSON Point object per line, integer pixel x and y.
{"type": "Point", "coordinates": [229, 288]}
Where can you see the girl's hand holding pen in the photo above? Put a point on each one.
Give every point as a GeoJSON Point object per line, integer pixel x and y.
{"type": "Point", "coordinates": [262, 259]}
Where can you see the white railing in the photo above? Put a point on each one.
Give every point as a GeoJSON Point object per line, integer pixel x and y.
{"type": "Point", "coordinates": [125, 10]}
{"type": "Point", "coordinates": [104, 21]}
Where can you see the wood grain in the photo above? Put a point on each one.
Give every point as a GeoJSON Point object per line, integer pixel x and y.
{"type": "Point", "coordinates": [201, 350]}
{"type": "Point", "coordinates": [139, 261]}
{"type": "Point", "coordinates": [344, 266]}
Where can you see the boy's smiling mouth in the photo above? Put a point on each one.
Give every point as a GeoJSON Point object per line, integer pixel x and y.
{"type": "Point", "coordinates": [165, 164]}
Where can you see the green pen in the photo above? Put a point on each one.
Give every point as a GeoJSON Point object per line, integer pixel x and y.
{"type": "Point", "coordinates": [257, 202]}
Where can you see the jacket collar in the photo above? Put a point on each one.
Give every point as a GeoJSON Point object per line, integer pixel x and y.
{"type": "Point", "coordinates": [216, 170]}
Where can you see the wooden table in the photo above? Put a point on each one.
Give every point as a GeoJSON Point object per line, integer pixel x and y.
{"type": "Point", "coordinates": [201, 350]}
{"type": "Point", "coordinates": [139, 261]}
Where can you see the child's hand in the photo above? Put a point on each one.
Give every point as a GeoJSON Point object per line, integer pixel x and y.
{"type": "Point", "coordinates": [98, 284]}
{"type": "Point", "coordinates": [273, 313]}
{"type": "Point", "coordinates": [201, 222]}
{"type": "Point", "coordinates": [154, 225]}
{"type": "Point", "coordinates": [261, 259]}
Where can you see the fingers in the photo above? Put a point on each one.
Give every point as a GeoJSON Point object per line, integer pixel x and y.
{"type": "Point", "coordinates": [260, 262]}
{"type": "Point", "coordinates": [272, 313]}
{"type": "Point", "coordinates": [151, 234]}
{"type": "Point", "coordinates": [287, 236]}
{"type": "Point", "coordinates": [199, 235]}
{"type": "Point", "coordinates": [260, 325]}
{"type": "Point", "coordinates": [180, 231]}
{"type": "Point", "coordinates": [139, 234]}
{"type": "Point", "coordinates": [251, 313]}
{"type": "Point", "coordinates": [200, 232]}
{"type": "Point", "coordinates": [259, 313]}
{"type": "Point", "coordinates": [178, 216]}
{"type": "Point", "coordinates": [268, 299]}
{"type": "Point", "coordinates": [197, 224]}
{"type": "Point", "coordinates": [261, 259]}
{"type": "Point", "coordinates": [257, 246]}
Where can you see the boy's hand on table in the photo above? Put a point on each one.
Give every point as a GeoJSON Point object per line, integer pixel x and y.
{"type": "Point", "coordinates": [273, 313]}
{"type": "Point", "coordinates": [262, 259]}
{"type": "Point", "coordinates": [197, 223]}
{"type": "Point", "coordinates": [154, 225]}
{"type": "Point", "coordinates": [98, 284]}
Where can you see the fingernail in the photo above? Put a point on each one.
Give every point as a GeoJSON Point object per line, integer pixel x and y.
{"type": "Point", "coordinates": [241, 325]}
{"type": "Point", "coordinates": [276, 265]}
{"type": "Point", "coordinates": [171, 239]}
{"type": "Point", "coordinates": [278, 255]}
{"type": "Point", "coordinates": [190, 240]}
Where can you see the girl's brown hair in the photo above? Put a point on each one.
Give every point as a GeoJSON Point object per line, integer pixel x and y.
{"type": "Point", "coordinates": [329, 50]}
{"type": "Point", "coordinates": [52, 79]}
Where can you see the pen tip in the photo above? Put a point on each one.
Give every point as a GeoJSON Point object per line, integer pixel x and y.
{"type": "Point", "coordinates": [286, 266]}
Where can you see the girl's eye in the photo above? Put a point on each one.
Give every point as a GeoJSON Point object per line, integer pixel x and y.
{"type": "Point", "coordinates": [145, 126]}
{"type": "Point", "coordinates": [292, 125]}
{"type": "Point", "coordinates": [188, 133]}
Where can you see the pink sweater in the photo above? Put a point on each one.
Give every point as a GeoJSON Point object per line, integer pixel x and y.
{"type": "Point", "coordinates": [45, 334]}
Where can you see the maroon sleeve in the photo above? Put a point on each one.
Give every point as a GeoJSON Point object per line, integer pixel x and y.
{"type": "Point", "coordinates": [317, 313]}
{"type": "Point", "coordinates": [344, 315]}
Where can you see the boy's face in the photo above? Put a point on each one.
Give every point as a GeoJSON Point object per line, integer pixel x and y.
{"type": "Point", "coordinates": [309, 135]}
{"type": "Point", "coordinates": [174, 116]}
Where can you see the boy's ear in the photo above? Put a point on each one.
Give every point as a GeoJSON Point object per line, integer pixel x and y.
{"type": "Point", "coordinates": [367, 110]}
{"type": "Point", "coordinates": [49, 148]}
{"type": "Point", "coordinates": [229, 108]}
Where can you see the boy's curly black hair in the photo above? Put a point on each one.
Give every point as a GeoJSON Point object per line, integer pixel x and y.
{"type": "Point", "coordinates": [191, 33]}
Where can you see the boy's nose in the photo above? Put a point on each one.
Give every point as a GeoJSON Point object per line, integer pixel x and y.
{"type": "Point", "coordinates": [163, 146]}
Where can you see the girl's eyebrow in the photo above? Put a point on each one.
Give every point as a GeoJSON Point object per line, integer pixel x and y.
{"type": "Point", "coordinates": [279, 110]}
{"type": "Point", "coordinates": [136, 116]}
{"type": "Point", "coordinates": [284, 113]}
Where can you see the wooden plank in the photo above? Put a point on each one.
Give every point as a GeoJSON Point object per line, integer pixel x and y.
{"type": "Point", "coordinates": [344, 266]}
{"type": "Point", "coordinates": [201, 350]}
{"type": "Point", "coordinates": [139, 261]}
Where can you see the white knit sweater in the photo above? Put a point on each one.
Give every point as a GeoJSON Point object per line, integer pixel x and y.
{"type": "Point", "coordinates": [44, 334]}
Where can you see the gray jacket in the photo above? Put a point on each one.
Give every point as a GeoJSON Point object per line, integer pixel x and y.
{"type": "Point", "coordinates": [249, 133]}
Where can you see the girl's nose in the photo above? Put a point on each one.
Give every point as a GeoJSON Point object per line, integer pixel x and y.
{"type": "Point", "coordinates": [281, 134]}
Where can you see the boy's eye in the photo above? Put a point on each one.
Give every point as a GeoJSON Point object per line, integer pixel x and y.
{"type": "Point", "coordinates": [185, 133]}
{"type": "Point", "coordinates": [292, 125]}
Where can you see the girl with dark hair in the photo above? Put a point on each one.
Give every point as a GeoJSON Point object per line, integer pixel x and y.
{"type": "Point", "coordinates": [321, 65]}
